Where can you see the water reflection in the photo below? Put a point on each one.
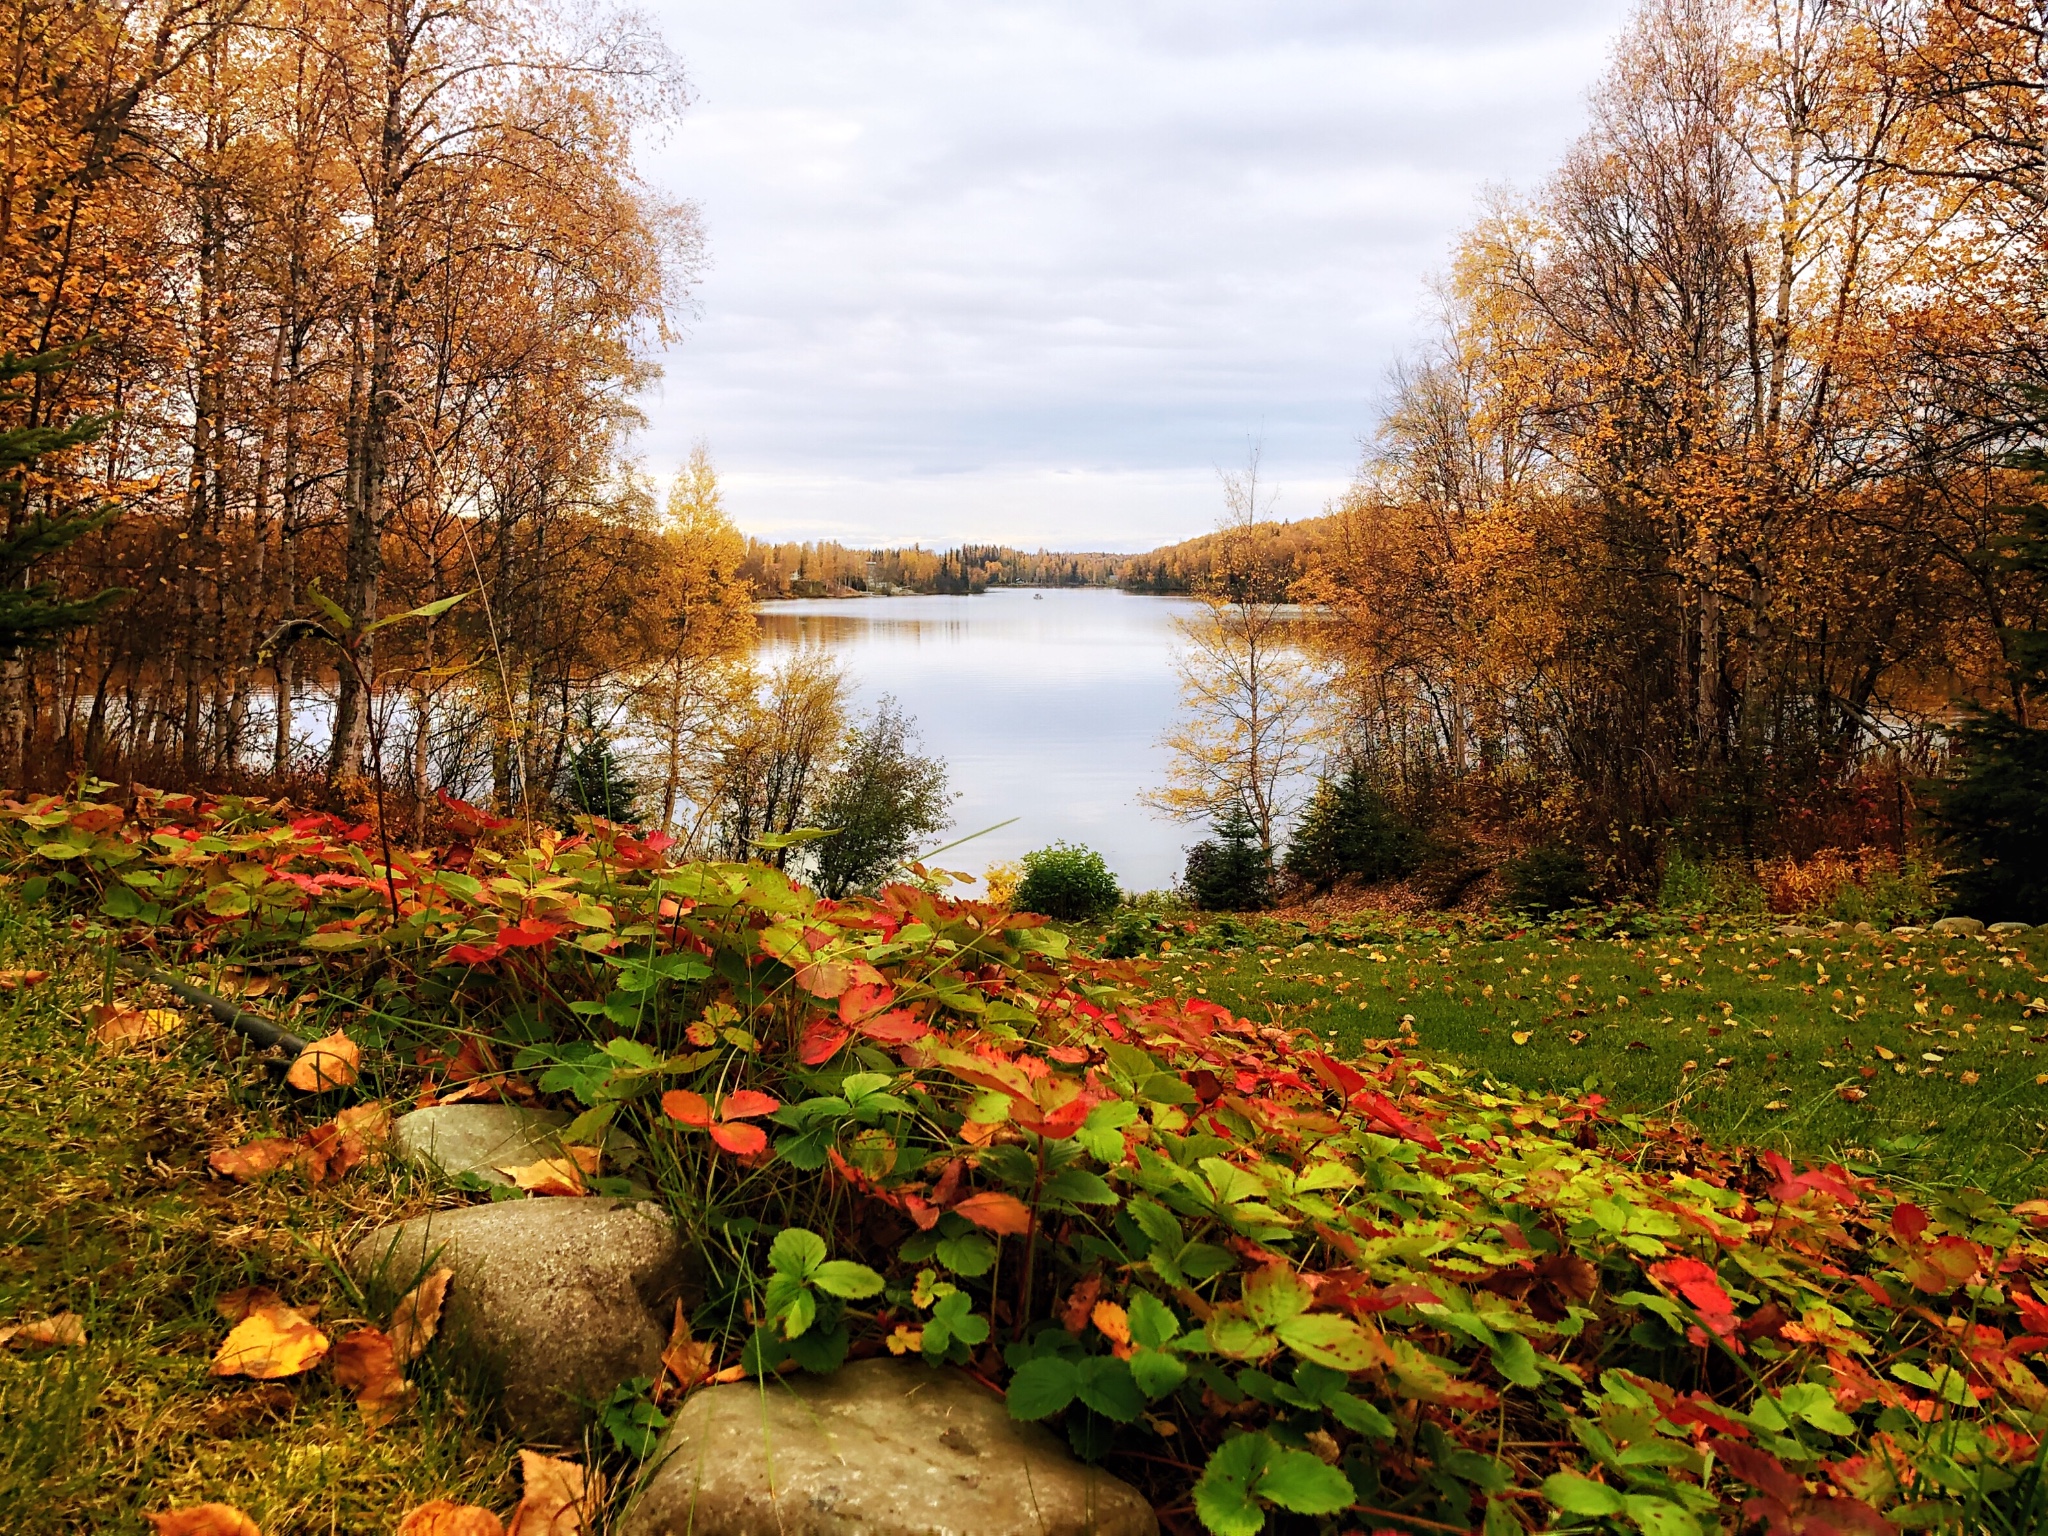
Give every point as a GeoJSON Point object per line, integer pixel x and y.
{"type": "Point", "coordinates": [1046, 706]}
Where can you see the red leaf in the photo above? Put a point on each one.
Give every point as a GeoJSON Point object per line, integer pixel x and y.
{"type": "Point", "coordinates": [1909, 1221]}
{"type": "Point", "coordinates": [1378, 1108]}
{"type": "Point", "coordinates": [475, 954]}
{"type": "Point", "coordinates": [689, 1108]}
{"type": "Point", "coordinates": [2033, 1315]}
{"type": "Point", "coordinates": [740, 1139]}
{"type": "Point", "coordinates": [995, 1211]}
{"type": "Point", "coordinates": [746, 1103]}
{"type": "Point", "coordinates": [864, 1000]}
{"type": "Point", "coordinates": [897, 1028]}
{"type": "Point", "coordinates": [821, 1042]}
{"type": "Point", "coordinates": [1698, 1284]}
{"type": "Point", "coordinates": [1067, 1119]}
{"type": "Point", "coordinates": [529, 934]}
{"type": "Point", "coordinates": [1875, 1292]}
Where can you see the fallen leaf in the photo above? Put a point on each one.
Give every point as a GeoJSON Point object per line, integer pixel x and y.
{"type": "Point", "coordinates": [549, 1176]}
{"type": "Point", "coordinates": [119, 1024]}
{"type": "Point", "coordinates": [272, 1341]}
{"type": "Point", "coordinates": [1851, 1095]}
{"type": "Point", "coordinates": [1520, 1037]}
{"type": "Point", "coordinates": [367, 1364]}
{"type": "Point", "coordinates": [994, 1211]}
{"type": "Point", "coordinates": [371, 1122]}
{"type": "Point", "coordinates": [561, 1499]}
{"type": "Point", "coordinates": [11, 981]}
{"type": "Point", "coordinates": [204, 1520]}
{"type": "Point", "coordinates": [329, 1062]}
{"type": "Point", "coordinates": [1112, 1322]}
{"type": "Point", "coordinates": [686, 1359]}
{"type": "Point", "coordinates": [237, 1304]}
{"type": "Point", "coordinates": [255, 1159]}
{"type": "Point", "coordinates": [444, 1517]}
{"type": "Point", "coordinates": [417, 1316]}
{"type": "Point", "coordinates": [60, 1331]}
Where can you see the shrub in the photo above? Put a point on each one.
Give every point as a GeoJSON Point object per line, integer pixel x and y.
{"type": "Point", "coordinates": [1233, 872]}
{"type": "Point", "coordinates": [1066, 881]}
{"type": "Point", "coordinates": [1352, 828]}
{"type": "Point", "coordinates": [1994, 821]}
{"type": "Point", "coordinates": [879, 802]}
{"type": "Point", "coordinates": [1547, 878]}
{"type": "Point", "coordinates": [1859, 885]}
{"type": "Point", "coordinates": [1708, 885]}
{"type": "Point", "coordinates": [594, 780]}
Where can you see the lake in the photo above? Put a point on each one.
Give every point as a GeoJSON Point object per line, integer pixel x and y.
{"type": "Point", "coordinates": [1046, 706]}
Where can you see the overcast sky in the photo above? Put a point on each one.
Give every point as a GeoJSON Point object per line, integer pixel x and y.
{"type": "Point", "coordinates": [1031, 271]}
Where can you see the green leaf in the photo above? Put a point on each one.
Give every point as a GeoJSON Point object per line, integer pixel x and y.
{"type": "Point", "coordinates": [1360, 1417]}
{"type": "Point", "coordinates": [1156, 1222]}
{"type": "Point", "coordinates": [332, 609]}
{"type": "Point", "coordinates": [1275, 1293]}
{"type": "Point", "coordinates": [801, 1312]}
{"type": "Point", "coordinates": [970, 1255]}
{"type": "Point", "coordinates": [1042, 1387]}
{"type": "Point", "coordinates": [1152, 1321]}
{"type": "Point", "coordinates": [790, 839]}
{"type": "Point", "coordinates": [1156, 1372]}
{"type": "Point", "coordinates": [1105, 1384]}
{"type": "Point", "coordinates": [424, 611]}
{"type": "Point", "coordinates": [1077, 1186]}
{"type": "Point", "coordinates": [1581, 1495]}
{"type": "Point", "coordinates": [1223, 1498]}
{"type": "Point", "coordinates": [1811, 1401]}
{"type": "Point", "coordinates": [796, 1251]}
{"type": "Point", "coordinates": [1329, 1340]}
{"type": "Point", "coordinates": [1515, 1358]}
{"type": "Point", "coordinates": [842, 1277]}
{"type": "Point", "coordinates": [1660, 1517]}
{"type": "Point", "coordinates": [1297, 1481]}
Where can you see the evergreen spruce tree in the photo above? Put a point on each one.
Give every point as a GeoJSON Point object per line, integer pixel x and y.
{"type": "Point", "coordinates": [1352, 828]}
{"type": "Point", "coordinates": [39, 525]}
{"type": "Point", "coordinates": [1233, 872]}
{"type": "Point", "coordinates": [594, 780]}
{"type": "Point", "coordinates": [1993, 814]}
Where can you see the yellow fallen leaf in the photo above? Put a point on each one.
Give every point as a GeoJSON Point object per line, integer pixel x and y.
{"type": "Point", "coordinates": [371, 1122]}
{"type": "Point", "coordinates": [1112, 1322]}
{"type": "Point", "coordinates": [561, 1498]}
{"type": "Point", "coordinates": [444, 1517]}
{"type": "Point", "coordinates": [60, 1331]}
{"type": "Point", "coordinates": [119, 1024]}
{"type": "Point", "coordinates": [12, 981]}
{"type": "Point", "coordinates": [204, 1520]}
{"type": "Point", "coordinates": [367, 1364]}
{"type": "Point", "coordinates": [417, 1316]}
{"type": "Point", "coordinates": [254, 1159]}
{"type": "Point", "coordinates": [905, 1339]}
{"type": "Point", "coordinates": [330, 1062]}
{"type": "Point", "coordinates": [272, 1341]}
{"type": "Point", "coordinates": [1520, 1037]}
{"type": "Point", "coordinates": [549, 1176]}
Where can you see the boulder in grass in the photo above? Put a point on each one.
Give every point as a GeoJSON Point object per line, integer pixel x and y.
{"type": "Point", "coordinates": [486, 1139]}
{"type": "Point", "coordinates": [880, 1447]}
{"type": "Point", "coordinates": [1958, 927]}
{"type": "Point", "coordinates": [2006, 930]}
{"type": "Point", "coordinates": [555, 1301]}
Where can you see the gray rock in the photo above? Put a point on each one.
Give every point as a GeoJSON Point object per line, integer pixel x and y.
{"type": "Point", "coordinates": [486, 1139]}
{"type": "Point", "coordinates": [2005, 929]}
{"type": "Point", "coordinates": [1907, 932]}
{"type": "Point", "coordinates": [1967, 927]}
{"type": "Point", "coordinates": [879, 1448]}
{"type": "Point", "coordinates": [556, 1301]}
{"type": "Point", "coordinates": [1794, 931]}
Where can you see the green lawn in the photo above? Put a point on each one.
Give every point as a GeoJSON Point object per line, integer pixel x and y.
{"type": "Point", "coordinates": [1921, 1058]}
{"type": "Point", "coordinates": [108, 1210]}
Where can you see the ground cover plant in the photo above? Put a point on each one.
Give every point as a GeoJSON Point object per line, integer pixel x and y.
{"type": "Point", "coordinates": [1274, 1283]}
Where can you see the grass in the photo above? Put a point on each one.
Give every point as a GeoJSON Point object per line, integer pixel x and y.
{"type": "Point", "coordinates": [1751, 1037]}
{"type": "Point", "coordinates": [108, 1210]}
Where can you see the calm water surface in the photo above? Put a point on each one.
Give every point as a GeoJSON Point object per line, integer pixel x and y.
{"type": "Point", "coordinates": [1045, 706]}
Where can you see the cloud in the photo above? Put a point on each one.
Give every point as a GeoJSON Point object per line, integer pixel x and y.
{"type": "Point", "coordinates": [1031, 271]}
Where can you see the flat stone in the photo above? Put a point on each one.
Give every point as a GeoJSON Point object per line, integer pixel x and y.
{"type": "Point", "coordinates": [1907, 932]}
{"type": "Point", "coordinates": [486, 1139]}
{"type": "Point", "coordinates": [556, 1301]}
{"type": "Point", "coordinates": [1969, 927]}
{"type": "Point", "coordinates": [2002, 929]}
{"type": "Point", "coordinates": [878, 1448]}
